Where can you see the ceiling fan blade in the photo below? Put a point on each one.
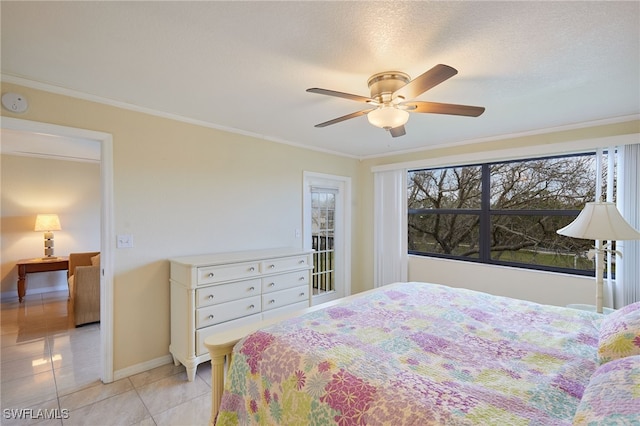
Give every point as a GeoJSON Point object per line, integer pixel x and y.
{"type": "Point", "coordinates": [397, 131]}
{"type": "Point", "coordinates": [451, 109]}
{"type": "Point", "coordinates": [349, 96]}
{"type": "Point", "coordinates": [344, 117]}
{"type": "Point", "coordinates": [426, 81]}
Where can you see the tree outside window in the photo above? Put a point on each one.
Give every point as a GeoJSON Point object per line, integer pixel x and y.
{"type": "Point", "coordinates": [503, 213]}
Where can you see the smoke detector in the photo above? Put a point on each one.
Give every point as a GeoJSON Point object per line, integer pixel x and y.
{"type": "Point", "coordinates": [14, 102]}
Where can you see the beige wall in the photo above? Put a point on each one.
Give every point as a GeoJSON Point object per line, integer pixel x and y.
{"type": "Point", "coordinates": [182, 189]}
{"type": "Point", "coordinates": [538, 286]}
{"type": "Point", "coordinates": [35, 185]}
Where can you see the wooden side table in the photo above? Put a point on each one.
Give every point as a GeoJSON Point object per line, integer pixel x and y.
{"type": "Point", "coordinates": [28, 266]}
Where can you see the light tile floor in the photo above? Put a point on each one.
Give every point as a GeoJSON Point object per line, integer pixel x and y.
{"type": "Point", "coordinates": [52, 368]}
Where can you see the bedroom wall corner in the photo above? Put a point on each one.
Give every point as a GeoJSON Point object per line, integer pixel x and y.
{"type": "Point", "coordinates": [183, 189]}
{"type": "Point", "coordinates": [563, 288]}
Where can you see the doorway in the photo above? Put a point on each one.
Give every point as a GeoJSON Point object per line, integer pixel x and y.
{"type": "Point", "coordinates": [327, 230]}
{"type": "Point", "coordinates": [106, 224]}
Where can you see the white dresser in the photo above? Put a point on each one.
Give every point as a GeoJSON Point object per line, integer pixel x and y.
{"type": "Point", "coordinates": [217, 292]}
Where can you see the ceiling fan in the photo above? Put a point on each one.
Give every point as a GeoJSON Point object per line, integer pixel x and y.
{"type": "Point", "coordinates": [391, 99]}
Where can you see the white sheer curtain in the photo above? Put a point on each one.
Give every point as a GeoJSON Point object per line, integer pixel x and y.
{"type": "Point", "coordinates": [390, 227]}
{"type": "Point", "coordinates": [627, 288]}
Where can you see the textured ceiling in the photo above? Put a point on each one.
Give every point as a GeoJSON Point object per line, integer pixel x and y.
{"type": "Point", "coordinates": [245, 65]}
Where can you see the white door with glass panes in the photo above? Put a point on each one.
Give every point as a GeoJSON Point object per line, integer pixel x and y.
{"type": "Point", "coordinates": [326, 219]}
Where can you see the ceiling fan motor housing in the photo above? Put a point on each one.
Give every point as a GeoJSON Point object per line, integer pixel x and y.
{"type": "Point", "coordinates": [382, 85]}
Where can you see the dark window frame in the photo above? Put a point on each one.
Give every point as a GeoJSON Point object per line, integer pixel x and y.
{"type": "Point", "coordinates": [485, 214]}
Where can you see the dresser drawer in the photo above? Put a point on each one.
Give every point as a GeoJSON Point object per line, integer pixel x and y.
{"type": "Point", "coordinates": [216, 314]}
{"type": "Point", "coordinates": [281, 298]}
{"type": "Point", "coordinates": [203, 333]}
{"type": "Point", "coordinates": [221, 293]}
{"type": "Point", "coordinates": [216, 274]}
{"type": "Point", "coordinates": [285, 310]}
{"type": "Point", "coordinates": [284, 281]}
{"type": "Point", "coordinates": [284, 264]}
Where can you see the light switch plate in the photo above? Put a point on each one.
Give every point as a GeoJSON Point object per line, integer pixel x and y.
{"type": "Point", "coordinates": [124, 241]}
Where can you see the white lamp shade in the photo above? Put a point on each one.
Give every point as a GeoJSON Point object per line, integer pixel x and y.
{"type": "Point", "coordinates": [600, 221]}
{"type": "Point", "coordinates": [47, 222]}
{"type": "Point", "coordinates": [388, 117]}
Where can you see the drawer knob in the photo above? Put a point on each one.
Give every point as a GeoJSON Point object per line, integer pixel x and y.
{"type": "Point", "coordinates": [272, 284]}
{"type": "Point", "coordinates": [251, 307]}
{"type": "Point", "coordinates": [301, 278]}
{"type": "Point", "coordinates": [271, 302]}
{"type": "Point", "coordinates": [301, 294]}
{"type": "Point", "coordinates": [252, 269]}
{"type": "Point", "coordinates": [210, 275]}
{"type": "Point", "coordinates": [301, 262]}
{"type": "Point", "coordinates": [272, 266]}
{"type": "Point", "coordinates": [252, 288]}
{"type": "Point", "coordinates": [210, 316]}
{"type": "Point", "coordinates": [211, 296]}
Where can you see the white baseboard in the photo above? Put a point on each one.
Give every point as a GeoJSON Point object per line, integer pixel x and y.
{"type": "Point", "coordinates": [14, 294]}
{"type": "Point", "coordinates": [142, 367]}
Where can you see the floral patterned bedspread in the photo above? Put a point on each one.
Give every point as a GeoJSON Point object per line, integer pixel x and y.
{"type": "Point", "coordinates": [415, 354]}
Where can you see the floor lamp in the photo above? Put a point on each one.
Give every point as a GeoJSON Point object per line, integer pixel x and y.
{"type": "Point", "coordinates": [600, 221]}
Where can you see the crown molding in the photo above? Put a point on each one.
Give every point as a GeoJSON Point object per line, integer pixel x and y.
{"type": "Point", "coordinates": [46, 87]}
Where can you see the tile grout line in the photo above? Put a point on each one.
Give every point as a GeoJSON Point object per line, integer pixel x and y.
{"type": "Point", "coordinates": [135, 388]}
{"type": "Point", "coordinates": [47, 339]}
{"type": "Point", "coordinates": [56, 339]}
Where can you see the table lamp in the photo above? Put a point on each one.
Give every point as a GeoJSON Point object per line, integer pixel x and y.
{"type": "Point", "coordinates": [47, 223]}
{"type": "Point", "coordinates": [600, 221]}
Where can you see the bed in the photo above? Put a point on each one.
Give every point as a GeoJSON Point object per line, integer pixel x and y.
{"type": "Point", "coordinates": [426, 354]}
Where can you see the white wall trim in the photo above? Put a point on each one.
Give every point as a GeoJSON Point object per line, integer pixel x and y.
{"type": "Point", "coordinates": [537, 132]}
{"type": "Point", "coordinates": [107, 243]}
{"type": "Point", "coordinates": [8, 78]}
{"type": "Point", "coordinates": [142, 367]}
{"type": "Point", "coordinates": [52, 157]}
{"type": "Point", "coordinates": [107, 224]}
{"type": "Point", "coordinates": [514, 153]}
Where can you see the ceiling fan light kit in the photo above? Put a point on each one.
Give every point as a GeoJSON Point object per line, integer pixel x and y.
{"type": "Point", "coordinates": [391, 94]}
{"type": "Point", "coordinates": [388, 117]}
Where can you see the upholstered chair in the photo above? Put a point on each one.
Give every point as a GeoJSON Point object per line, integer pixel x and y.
{"type": "Point", "coordinates": [84, 287]}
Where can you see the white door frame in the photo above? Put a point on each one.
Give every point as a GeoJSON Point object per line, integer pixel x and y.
{"type": "Point", "coordinates": [106, 224]}
{"type": "Point", "coordinates": [343, 225]}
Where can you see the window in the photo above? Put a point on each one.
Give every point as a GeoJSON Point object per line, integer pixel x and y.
{"type": "Point", "coordinates": [323, 207]}
{"type": "Point", "coordinates": [503, 213]}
